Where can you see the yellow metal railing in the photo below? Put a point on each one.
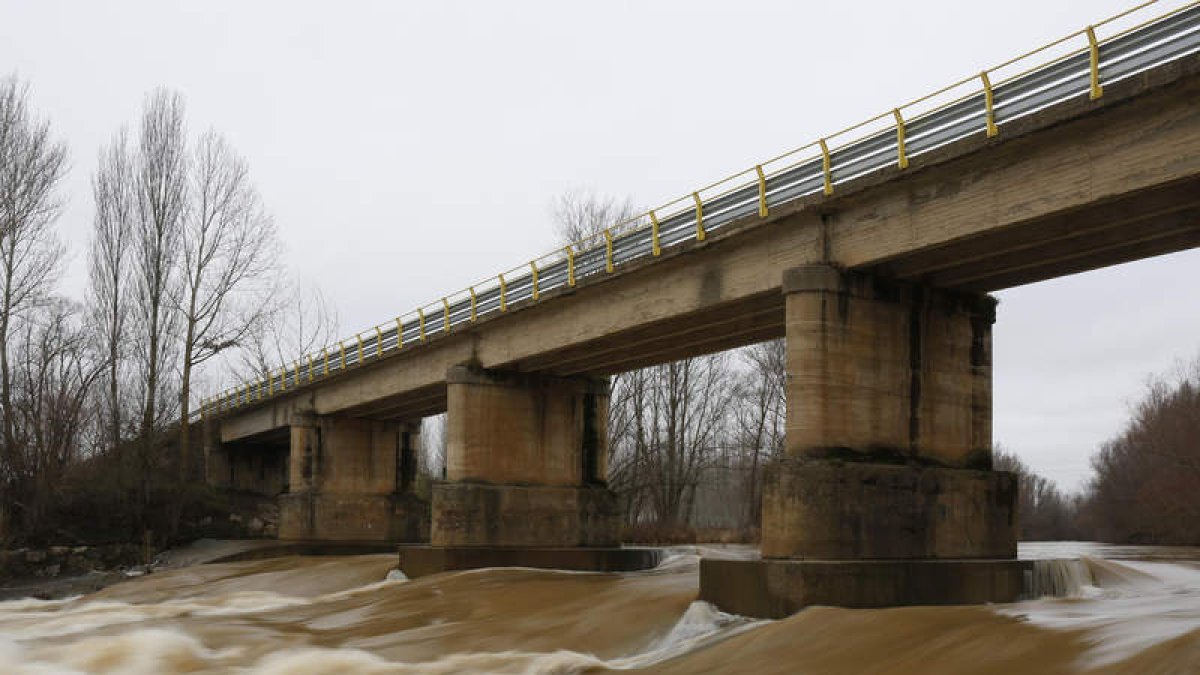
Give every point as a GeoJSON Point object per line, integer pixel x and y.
{"type": "Point", "coordinates": [897, 118]}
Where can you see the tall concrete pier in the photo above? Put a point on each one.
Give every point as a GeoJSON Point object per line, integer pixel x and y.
{"type": "Point", "coordinates": [886, 495]}
{"type": "Point", "coordinates": [526, 468]}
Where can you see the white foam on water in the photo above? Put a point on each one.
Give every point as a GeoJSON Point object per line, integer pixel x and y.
{"type": "Point", "coordinates": [1061, 579]}
{"type": "Point", "coordinates": [1129, 607]}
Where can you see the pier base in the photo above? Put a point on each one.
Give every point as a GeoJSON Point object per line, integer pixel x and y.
{"type": "Point", "coordinates": [418, 561]}
{"type": "Point", "coordinates": [774, 589]}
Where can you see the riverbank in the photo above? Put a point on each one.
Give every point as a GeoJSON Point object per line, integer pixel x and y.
{"type": "Point", "coordinates": [59, 572]}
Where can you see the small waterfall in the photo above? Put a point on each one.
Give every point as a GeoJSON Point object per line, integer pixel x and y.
{"type": "Point", "coordinates": [1058, 578]}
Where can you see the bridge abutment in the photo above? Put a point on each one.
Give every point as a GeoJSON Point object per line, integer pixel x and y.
{"type": "Point", "coordinates": [526, 469]}
{"type": "Point", "coordinates": [885, 495]}
{"type": "Point", "coordinates": [352, 479]}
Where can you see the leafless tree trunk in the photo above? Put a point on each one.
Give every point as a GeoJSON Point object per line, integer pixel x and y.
{"type": "Point", "coordinates": [31, 166]}
{"type": "Point", "coordinates": [113, 193]}
{"type": "Point", "coordinates": [161, 193]}
{"type": "Point", "coordinates": [230, 257]}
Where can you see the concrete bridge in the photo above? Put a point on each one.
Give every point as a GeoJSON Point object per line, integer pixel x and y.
{"type": "Point", "coordinates": [873, 259]}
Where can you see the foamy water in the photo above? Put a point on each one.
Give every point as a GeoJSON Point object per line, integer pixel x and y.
{"type": "Point", "coordinates": [1132, 610]}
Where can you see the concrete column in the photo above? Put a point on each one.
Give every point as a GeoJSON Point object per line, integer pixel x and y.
{"type": "Point", "coordinates": [883, 370]}
{"type": "Point", "coordinates": [525, 462]}
{"type": "Point", "coordinates": [217, 469]}
{"type": "Point", "coordinates": [888, 456]}
{"type": "Point", "coordinates": [352, 479]}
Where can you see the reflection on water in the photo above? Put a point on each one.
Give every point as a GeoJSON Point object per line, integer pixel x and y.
{"type": "Point", "coordinates": [1133, 610]}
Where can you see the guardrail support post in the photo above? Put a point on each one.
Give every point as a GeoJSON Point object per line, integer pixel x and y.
{"type": "Point", "coordinates": [762, 192]}
{"type": "Point", "coordinates": [654, 233]}
{"type": "Point", "coordinates": [699, 216]}
{"type": "Point", "coordinates": [826, 167]}
{"type": "Point", "coordinates": [988, 102]}
{"type": "Point", "coordinates": [1094, 53]}
{"type": "Point", "coordinates": [901, 155]}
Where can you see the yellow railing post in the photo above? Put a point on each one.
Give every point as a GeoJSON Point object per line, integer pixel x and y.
{"type": "Point", "coordinates": [654, 233]}
{"type": "Point", "coordinates": [826, 167]}
{"type": "Point", "coordinates": [608, 257]}
{"type": "Point", "coordinates": [445, 316]}
{"type": "Point", "coordinates": [699, 216]}
{"type": "Point", "coordinates": [503, 294]}
{"type": "Point", "coordinates": [378, 342]}
{"type": "Point", "coordinates": [421, 320]}
{"type": "Point", "coordinates": [473, 303]}
{"type": "Point", "coordinates": [533, 266]}
{"type": "Point", "coordinates": [325, 356]}
{"type": "Point", "coordinates": [399, 333]}
{"type": "Point", "coordinates": [311, 367]}
{"type": "Point", "coordinates": [360, 348]}
{"type": "Point", "coordinates": [762, 192]}
{"type": "Point", "coordinates": [1094, 52]}
{"type": "Point", "coordinates": [296, 374]}
{"type": "Point", "coordinates": [901, 155]}
{"type": "Point", "coordinates": [570, 266]}
{"type": "Point", "coordinates": [988, 105]}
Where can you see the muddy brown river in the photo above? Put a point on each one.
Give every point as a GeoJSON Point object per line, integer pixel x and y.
{"type": "Point", "coordinates": [1126, 610]}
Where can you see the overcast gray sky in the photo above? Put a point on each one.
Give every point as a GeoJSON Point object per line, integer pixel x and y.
{"type": "Point", "coordinates": [410, 149]}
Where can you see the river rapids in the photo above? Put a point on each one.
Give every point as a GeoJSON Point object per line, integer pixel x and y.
{"type": "Point", "coordinates": [1122, 610]}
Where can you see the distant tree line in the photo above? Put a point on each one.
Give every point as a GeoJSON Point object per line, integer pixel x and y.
{"type": "Point", "coordinates": [185, 284]}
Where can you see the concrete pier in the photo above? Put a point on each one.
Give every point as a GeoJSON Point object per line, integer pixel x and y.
{"type": "Point", "coordinates": [526, 462]}
{"type": "Point", "coordinates": [886, 495]}
{"type": "Point", "coordinates": [352, 479]}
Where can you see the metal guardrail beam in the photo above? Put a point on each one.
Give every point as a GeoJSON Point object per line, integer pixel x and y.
{"type": "Point", "coordinates": [1082, 70]}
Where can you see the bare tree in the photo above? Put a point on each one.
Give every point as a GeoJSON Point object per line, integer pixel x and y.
{"type": "Point", "coordinates": [53, 375]}
{"type": "Point", "coordinates": [229, 258]}
{"type": "Point", "coordinates": [161, 206]}
{"type": "Point", "coordinates": [299, 322]}
{"type": "Point", "coordinates": [580, 215]}
{"type": "Point", "coordinates": [761, 414]}
{"type": "Point", "coordinates": [113, 194]}
{"type": "Point", "coordinates": [31, 166]}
